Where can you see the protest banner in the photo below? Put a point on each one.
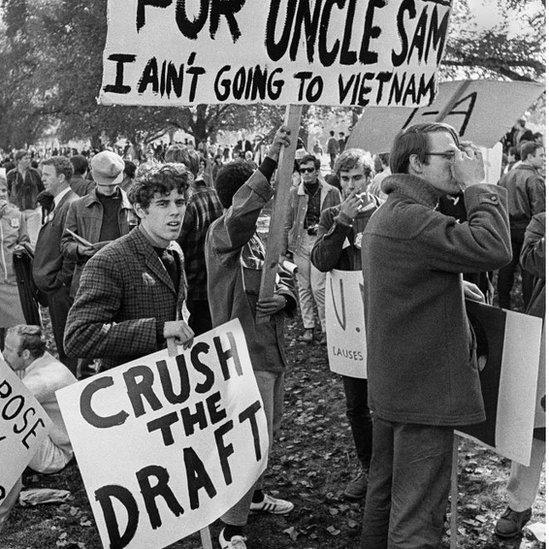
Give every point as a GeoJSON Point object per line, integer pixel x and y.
{"type": "Point", "coordinates": [325, 52]}
{"type": "Point", "coordinates": [482, 111]}
{"type": "Point", "coordinates": [23, 426]}
{"type": "Point", "coordinates": [509, 344]}
{"type": "Point", "coordinates": [345, 325]}
{"type": "Point", "coordinates": [166, 445]}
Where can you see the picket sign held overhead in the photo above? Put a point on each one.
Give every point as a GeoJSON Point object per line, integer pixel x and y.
{"type": "Point", "coordinates": [23, 427]}
{"type": "Point", "coordinates": [166, 445]}
{"type": "Point", "coordinates": [280, 52]}
{"type": "Point", "coordinates": [481, 111]}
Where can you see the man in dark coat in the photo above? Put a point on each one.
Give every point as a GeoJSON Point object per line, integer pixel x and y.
{"type": "Point", "coordinates": [131, 292]}
{"type": "Point", "coordinates": [52, 273]}
{"type": "Point", "coordinates": [422, 373]}
{"type": "Point", "coordinates": [24, 182]}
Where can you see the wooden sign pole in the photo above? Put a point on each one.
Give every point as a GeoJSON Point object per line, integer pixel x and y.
{"type": "Point", "coordinates": [205, 536]}
{"type": "Point", "coordinates": [454, 496]}
{"type": "Point", "coordinates": [283, 178]}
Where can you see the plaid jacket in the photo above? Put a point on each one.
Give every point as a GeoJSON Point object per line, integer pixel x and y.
{"type": "Point", "coordinates": [203, 209]}
{"type": "Point", "coordinates": [124, 292]}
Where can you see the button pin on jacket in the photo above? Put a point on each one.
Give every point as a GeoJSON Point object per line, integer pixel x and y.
{"type": "Point", "coordinates": [148, 279]}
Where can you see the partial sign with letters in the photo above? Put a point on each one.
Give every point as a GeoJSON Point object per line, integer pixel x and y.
{"type": "Point", "coordinates": [23, 426]}
{"type": "Point", "coordinates": [279, 52]}
{"type": "Point", "coordinates": [166, 445]}
{"type": "Point", "coordinates": [508, 347]}
{"type": "Point", "coordinates": [345, 326]}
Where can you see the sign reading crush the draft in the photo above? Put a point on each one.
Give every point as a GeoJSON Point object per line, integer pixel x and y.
{"type": "Point", "coordinates": [167, 444]}
{"type": "Point", "coordinates": [23, 426]}
{"type": "Point", "coordinates": [327, 52]}
{"type": "Point", "coordinates": [345, 325]}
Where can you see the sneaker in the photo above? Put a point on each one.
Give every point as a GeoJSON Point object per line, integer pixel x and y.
{"type": "Point", "coordinates": [307, 336]}
{"type": "Point", "coordinates": [356, 489]}
{"type": "Point", "coordinates": [512, 522]}
{"type": "Point", "coordinates": [236, 542]}
{"type": "Point", "coordinates": [269, 504]}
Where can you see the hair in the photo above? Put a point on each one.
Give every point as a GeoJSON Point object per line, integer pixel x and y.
{"type": "Point", "coordinates": [21, 153]}
{"type": "Point", "coordinates": [351, 159]}
{"type": "Point", "coordinates": [414, 140]}
{"type": "Point", "coordinates": [230, 178]}
{"type": "Point", "coordinates": [538, 135]}
{"type": "Point", "coordinates": [61, 164]}
{"type": "Point", "coordinates": [179, 154]}
{"type": "Point", "coordinates": [31, 339]}
{"type": "Point", "coordinates": [79, 164]}
{"type": "Point", "coordinates": [129, 168]}
{"type": "Point", "coordinates": [155, 178]}
{"type": "Point", "coordinates": [309, 158]}
{"type": "Point", "coordinates": [529, 148]}
{"type": "Point", "coordinates": [332, 133]}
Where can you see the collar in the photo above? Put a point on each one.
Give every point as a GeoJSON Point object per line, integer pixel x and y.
{"type": "Point", "coordinates": [92, 197]}
{"type": "Point", "coordinates": [59, 196]}
{"type": "Point", "coordinates": [412, 187]}
{"type": "Point", "coordinates": [301, 186]}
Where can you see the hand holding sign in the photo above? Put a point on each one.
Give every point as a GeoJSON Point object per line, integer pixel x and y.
{"type": "Point", "coordinates": [180, 331]}
{"type": "Point", "coordinates": [281, 139]}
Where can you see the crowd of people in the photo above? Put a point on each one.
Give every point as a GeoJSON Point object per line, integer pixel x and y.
{"type": "Point", "coordinates": [126, 257]}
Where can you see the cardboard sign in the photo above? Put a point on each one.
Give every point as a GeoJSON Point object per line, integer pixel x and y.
{"type": "Point", "coordinates": [23, 426]}
{"type": "Point", "coordinates": [345, 325]}
{"type": "Point", "coordinates": [166, 444]}
{"type": "Point", "coordinates": [482, 111]}
{"type": "Point", "coordinates": [510, 343]}
{"type": "Point", "coordinates": [326, 52]}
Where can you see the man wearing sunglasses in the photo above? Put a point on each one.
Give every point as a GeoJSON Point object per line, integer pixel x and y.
{"type": "Point", "coordinates": [422, 370]}
{"type": "Point", "coordinates": [307, 201]}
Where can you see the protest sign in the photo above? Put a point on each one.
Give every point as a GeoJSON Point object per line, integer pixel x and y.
{"type": "Point", "coordinates": [166, 445]}
{"type": "Point", "coordinates": [510, 343]}
{"type": "Point", "coordinates": [325, 52]}
{"type": "Point", "coordinates": [345, 326]}
{"type": "Point", "coordinates": [482, 111]}
{"type": "Point", "coordinates": [23, 426]}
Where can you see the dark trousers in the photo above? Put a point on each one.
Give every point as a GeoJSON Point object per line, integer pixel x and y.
{"type": "Point", "coordinates": [358, 414]}
{"type": "Point", "coordinates": [506, 276]}
{"type": "Point", "coordinates": [408, 486]}
{"type": "Point", "coordinates": [59, 303]}
{"type": "Point", "coordinates": [200, 320]}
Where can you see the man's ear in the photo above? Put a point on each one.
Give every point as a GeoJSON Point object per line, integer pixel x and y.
{"type": "Point", "coordinates": [139, 210]}
{"type": "Point", "coordinates": [416, 166]}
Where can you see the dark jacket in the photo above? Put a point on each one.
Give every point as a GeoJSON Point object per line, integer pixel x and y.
{"type": "Point", "coordinates": [234, 259]}
{"type": "Point", "coordinates": [125, 297]}
{"type": "Point", "coordinates": [532, 259]}
{"type": "Point", "coordinates": [24, 190]}
{"type": "Point", "coordinates": [526, 192]}
{"type": "Point", "coordinates": [85, 217]}
{"type": "Point", "coordinates": [421, 357]}
{"type": "Point", "coordinates": [50, 269]}
{"type": "Point", "coordinates": [336, 245]}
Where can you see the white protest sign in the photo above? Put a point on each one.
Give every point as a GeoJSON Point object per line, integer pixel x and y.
{"type": "Point", "coordinates": [23, 426]}
{"type": "Point", "coordinates": [345, 325]}
{"type": "Point", "coordinates": [481, 111]}
{"type": "Point", "coordinates": [492, 163]}
{"type": "Point", "coordinates": [511, 343]}
{"type": "Point", "coordinates": [167, 444]}
{"type": "Point", "coordinates": [326, 52]}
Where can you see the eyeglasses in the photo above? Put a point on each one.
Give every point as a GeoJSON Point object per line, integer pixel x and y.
{"type": "Point", "coordinates": [447, 155]}
{"type": "Point", "coordinates": [307, 170]}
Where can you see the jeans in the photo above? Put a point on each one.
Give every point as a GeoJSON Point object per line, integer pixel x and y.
{"type": "Point", "coordinates": [408, 486]}
{"type": "Point", "coordinates": [360, 419]}
{"type": "Point", "coordinates": [506, 275]}
{"type": "Point", "coordinates": [271, 388]}
{"type": "Point", "coordinates": [310, 284]}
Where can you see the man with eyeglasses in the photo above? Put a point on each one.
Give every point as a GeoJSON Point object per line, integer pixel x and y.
{"type": "Point", "coordinates": [422, 369]}
{"type": "Point", "coordinates": [307, 201]}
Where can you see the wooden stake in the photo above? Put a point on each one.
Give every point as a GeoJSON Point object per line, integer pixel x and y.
{"type": "Point", "coordinates": [205, 536]}
{"type": "Point", "coordinates": [454, 496]}
{"type": "Point", "coordinates": [283, 179]}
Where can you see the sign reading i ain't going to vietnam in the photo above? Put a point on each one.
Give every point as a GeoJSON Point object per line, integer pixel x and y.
{"type": "Point", "coordinates": [326, 52]}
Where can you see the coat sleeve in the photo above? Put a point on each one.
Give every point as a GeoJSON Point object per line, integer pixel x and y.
{"type": "Point", "coordinates": [90, 331]}
{"type": "Point", "coordinates": [483, 243]}
{"type": "Point", "coordinates": [332, 231]}
{"type": "Point", "coordinates": [23, 235]}
{"type": "Point", "coordinates": [69, 248]}
{"type": "Point", "coordinates": [532, 255]}
{"type": "Point", "coordinates": [64, 276]}
{"type": "Point", "coordinates": [536, 193]}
